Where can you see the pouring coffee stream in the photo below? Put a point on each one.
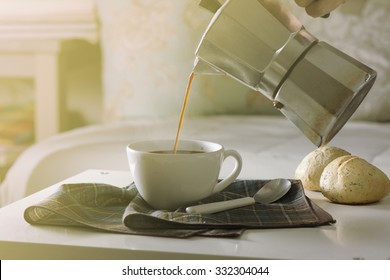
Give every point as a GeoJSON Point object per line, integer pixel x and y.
{"type": "Point", "coordinates": [183, 110]}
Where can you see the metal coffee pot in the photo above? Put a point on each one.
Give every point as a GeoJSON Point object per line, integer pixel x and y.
{"type": "Point", "coordinates": [262, 44]}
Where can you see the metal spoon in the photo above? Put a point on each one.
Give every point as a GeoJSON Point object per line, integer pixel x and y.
{"type": "Point", "coordinates": [270, 192]}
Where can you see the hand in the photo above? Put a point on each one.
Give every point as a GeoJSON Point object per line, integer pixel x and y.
{"type": "Point", "coordinates": [318, 8]}
{"type": "Point", "coordinates": [282, 13]}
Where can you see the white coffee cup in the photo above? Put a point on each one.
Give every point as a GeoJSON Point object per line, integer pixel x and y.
{"type": "Point", "coordinates": [168, 181]}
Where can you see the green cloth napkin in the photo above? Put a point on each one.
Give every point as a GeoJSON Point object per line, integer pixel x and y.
{"type": "Point", "coordinates": [109, 208]}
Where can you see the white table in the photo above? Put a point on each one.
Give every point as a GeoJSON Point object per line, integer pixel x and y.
{"type": "Point", "coordinates": [360, 232]}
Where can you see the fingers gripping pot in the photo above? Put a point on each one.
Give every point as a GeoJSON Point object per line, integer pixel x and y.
{"type": "Point", "coordinates": [262, 45]}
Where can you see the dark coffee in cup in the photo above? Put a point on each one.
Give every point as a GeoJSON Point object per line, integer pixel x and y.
{"type": "Point", "coordinates": [170, 152]}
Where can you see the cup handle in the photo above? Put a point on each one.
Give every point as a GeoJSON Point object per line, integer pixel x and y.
{"type": "Point", "coordinates": [234, 174]}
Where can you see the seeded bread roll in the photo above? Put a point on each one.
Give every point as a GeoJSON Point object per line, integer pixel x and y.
{"type": "Point", "coordinates": [353, 180]}
{"type": "Point", "coordinates": [310, 169]}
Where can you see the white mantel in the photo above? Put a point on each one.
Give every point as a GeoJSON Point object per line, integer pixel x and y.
{"type": "Point", "coordinates": [33, 34]}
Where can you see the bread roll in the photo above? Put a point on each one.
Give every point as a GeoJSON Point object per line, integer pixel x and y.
{"type": "Point", "coordinates": [310, 169]}
{"type": "Point", "coordinates": [353, 180]}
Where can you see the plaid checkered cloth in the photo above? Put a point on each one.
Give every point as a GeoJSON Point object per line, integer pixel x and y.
{"type": "Point", "coordinates": [122, 210]}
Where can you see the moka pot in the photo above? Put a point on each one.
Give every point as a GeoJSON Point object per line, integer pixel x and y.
{"type": "Point", "coordinates": [261, 44]}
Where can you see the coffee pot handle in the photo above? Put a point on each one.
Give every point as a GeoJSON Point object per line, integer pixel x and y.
{"type": "Point", "coordinates": [211, 5]}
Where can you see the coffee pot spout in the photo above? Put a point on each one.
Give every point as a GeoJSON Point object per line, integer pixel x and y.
{"type": "Point", "coordinates": [203, 68]}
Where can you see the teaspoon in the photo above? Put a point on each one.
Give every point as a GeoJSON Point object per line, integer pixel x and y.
{"type": "Point", "coordinates": [270, 192]}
